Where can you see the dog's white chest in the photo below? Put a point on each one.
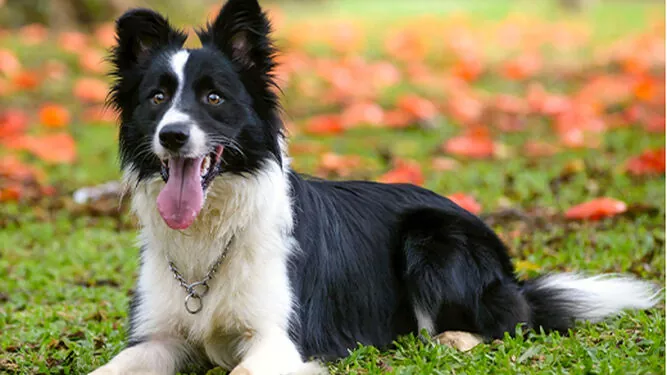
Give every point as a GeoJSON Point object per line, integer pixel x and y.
{"type": "Point", "coordinates": [249, 291]}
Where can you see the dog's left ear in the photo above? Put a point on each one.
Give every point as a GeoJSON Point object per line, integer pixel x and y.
{"type": "Point", "coordinates": [241, 32]}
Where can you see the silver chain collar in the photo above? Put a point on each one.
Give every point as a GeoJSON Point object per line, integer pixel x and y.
{"type": "Point", "coordinates": [197, 290]}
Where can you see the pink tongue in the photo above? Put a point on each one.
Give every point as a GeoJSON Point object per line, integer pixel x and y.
{"type": "Point", "coordinates": [182, 197]}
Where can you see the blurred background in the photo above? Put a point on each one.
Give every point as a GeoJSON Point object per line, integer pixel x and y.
{"type": "Point", "coordinates": [545, 117]}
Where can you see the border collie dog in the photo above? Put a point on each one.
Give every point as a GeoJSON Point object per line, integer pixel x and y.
{"type": "Point", "coordinates": [247, 265]}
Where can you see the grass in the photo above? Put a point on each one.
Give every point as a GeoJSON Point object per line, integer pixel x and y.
{"type": "Point", "coordinates": [66, 272]}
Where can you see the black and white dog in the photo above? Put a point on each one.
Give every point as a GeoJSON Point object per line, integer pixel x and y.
{"type": "Point", "coordinates": [247, 265]}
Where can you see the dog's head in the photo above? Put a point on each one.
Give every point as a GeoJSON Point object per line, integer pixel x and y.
{"type": "Point", "coordinates": [190, 115]}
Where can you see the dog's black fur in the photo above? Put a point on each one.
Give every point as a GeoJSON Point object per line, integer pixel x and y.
{"type": "Point", "coordinates": [369, 252]}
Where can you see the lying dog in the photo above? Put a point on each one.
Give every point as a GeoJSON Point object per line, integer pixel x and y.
{"type": "Point", "coordinates": [247, 265]}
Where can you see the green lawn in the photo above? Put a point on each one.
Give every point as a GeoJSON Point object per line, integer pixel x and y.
{"type": "Point", "coordinates": [66, 271]}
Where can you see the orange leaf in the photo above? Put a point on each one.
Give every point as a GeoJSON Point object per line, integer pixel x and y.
{"type": "Point", "coordinates": [468, 68]}
{"type": "Point", "coordinates": [648, 162]}
{"type": "Point", "coordinates": [54, 116]}
{"type": "Point", "coordinates": [26, 80]}
{"type": "Point", "coordinates": [404, 171]}
{"type": "Point", "coordinates": [9, 63]}
{"type": "Point", "coordinates": [72, 41]}
{"type": "Point", "coordinates": [14, 169]}
{"type": "Point", "coordinates": [474, 144]}
{"type": "Point", "coordinates": [362, 113]}
{"type": "Point", "coordinates": [99, 113]}
{"type": "Point", "coordinates": [465, 108]}
{"type": "Point", "coordinates": [92, 61]}
{"type": "Point", "coordinates": [106, 35]}
{"type": "Point", "coordinates": [90, 90]}
{"type": "Point", "coordinates": [596, 209]}
{"type": "Point", "coordinates": [524, 66]}
{"type": "Point", "coordinates": [12, 123]}
{"type": "Point", "coordinates": [33, 34]}
{"type": "Point", "coordinates": [12, 192]}
{"type": "Point", "coordinates": [55, 148]}
{"type": "Point", "coordinates": [398, 118]}
{"type": "Point", "coordinates": [466, 202]}
{"type": "Point", "coordinates": [324, 124]}
{"type": "Point", "coordinates": [418, 107]}
{"type": "Point", "coordinates": [646, 89]}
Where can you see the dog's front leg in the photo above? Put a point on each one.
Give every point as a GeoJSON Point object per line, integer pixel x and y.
{"type": "Point", "coordinates": [274, 354]}
{"type": "Point", "coordinates": [153, 357]}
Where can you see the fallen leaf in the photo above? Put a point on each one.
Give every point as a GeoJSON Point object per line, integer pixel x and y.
{"type": "Point", "coordinates": [404, 171]}
{"type": "Point", "coordinates": [13, 122]}
{"type": "Point", "coordinates": [91, 90]}
{"type": "Point", "coordinates": [324, 124]}
{"type": "Point", "coordinates": [466, 202]}
{"type": "Point", "coordinates": [9, 63]}
{"type": "Point", "coordinates": [362, 113]}
{"type": "Point", "coordinates": [25, 80]}
{"type": "Point", "coordinates": [72, 41]}
{"type": "Point", "coordinates": [417, 106]}
{"type": "Point", "coordinates": [473, 144]}
{"type": "Point", "coordinates": [648, 162]}
{"type": "Point", "coordinates": [54, 115]}
{"type": "Point", "coordinates": [596, 209]}
{"type": "Point", "coordinates": [54, 148]}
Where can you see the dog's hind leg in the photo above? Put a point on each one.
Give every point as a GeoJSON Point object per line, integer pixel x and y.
{"type": "Point", "coordinates": [458, 275]}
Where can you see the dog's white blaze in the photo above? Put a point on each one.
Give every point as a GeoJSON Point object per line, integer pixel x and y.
{"type": "Point", "coordinates": [245, 315]}
{"type": "Point", "coordinates": [598, 297]}
{"type": "Point", "coordinates": [196, 145]}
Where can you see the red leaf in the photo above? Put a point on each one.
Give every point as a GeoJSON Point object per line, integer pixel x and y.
{"type": "Point", "coordinates": [418, 107]}
{"type": "Point", "coordinates": [596, 209]}
{"type": "Point", "coordinates": [466, 202]}
{"type": "Point", "coordinates": [404, 171]}
{"type": "Point", "coordinates": [324, 124]}
{"type": "Point", "coordinates": [13, 122]}
{"type": "Point", "coordinates": [475, 144]}
{"type": "Point", "coordinates": [55, 148]}
{"type": "Point", "coordinates": [648, 162]}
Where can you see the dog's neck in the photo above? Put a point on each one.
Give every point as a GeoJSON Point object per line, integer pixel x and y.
{"type": "Point", "coordinates": [236, 206]}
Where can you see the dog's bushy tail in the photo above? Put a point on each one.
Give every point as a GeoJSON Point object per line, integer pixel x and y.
{"type": "Point", "coordinates": [559, 300]}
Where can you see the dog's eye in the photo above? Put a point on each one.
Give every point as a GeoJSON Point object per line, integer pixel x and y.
{"type": "Point", "coordinates": [158, 98]}
{"type": "Point", "coordinates": [214, 99]}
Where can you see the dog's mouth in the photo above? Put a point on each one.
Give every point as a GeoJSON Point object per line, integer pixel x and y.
{"type": "Point", "coordinates": [186, 180]}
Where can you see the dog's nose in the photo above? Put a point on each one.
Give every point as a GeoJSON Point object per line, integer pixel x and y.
{"type": "Point", "coordinates": [173, 137]}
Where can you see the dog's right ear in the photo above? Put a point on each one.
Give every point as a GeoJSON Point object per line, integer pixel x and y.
{"type": "Point", "coordinates": [139, 33]}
